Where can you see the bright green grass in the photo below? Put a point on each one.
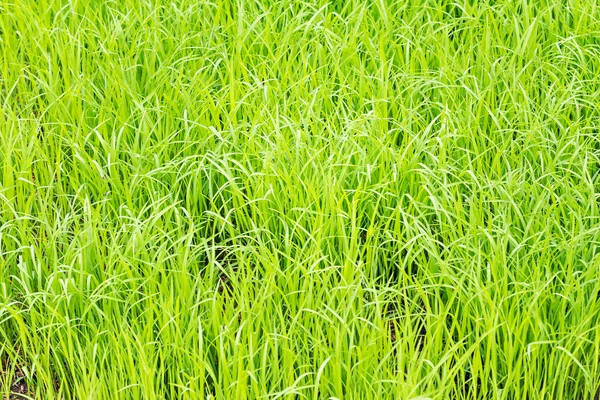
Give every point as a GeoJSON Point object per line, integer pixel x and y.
{"type": "Point", "coordinates": [300, 200]}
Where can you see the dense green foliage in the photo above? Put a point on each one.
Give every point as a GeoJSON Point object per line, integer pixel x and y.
{"type": "Point", "coordinates": [300, 200]}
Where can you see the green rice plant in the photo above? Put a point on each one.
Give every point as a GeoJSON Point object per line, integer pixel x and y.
{"type": "Point", "coordinates": [250, 199]}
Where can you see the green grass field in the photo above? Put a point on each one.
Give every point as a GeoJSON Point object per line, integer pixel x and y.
{"type": "Point", "coordinates": [253, 199]}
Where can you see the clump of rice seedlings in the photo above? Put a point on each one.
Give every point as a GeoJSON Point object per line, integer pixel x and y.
{"type": "Point", "coordinates": [299, 200]}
